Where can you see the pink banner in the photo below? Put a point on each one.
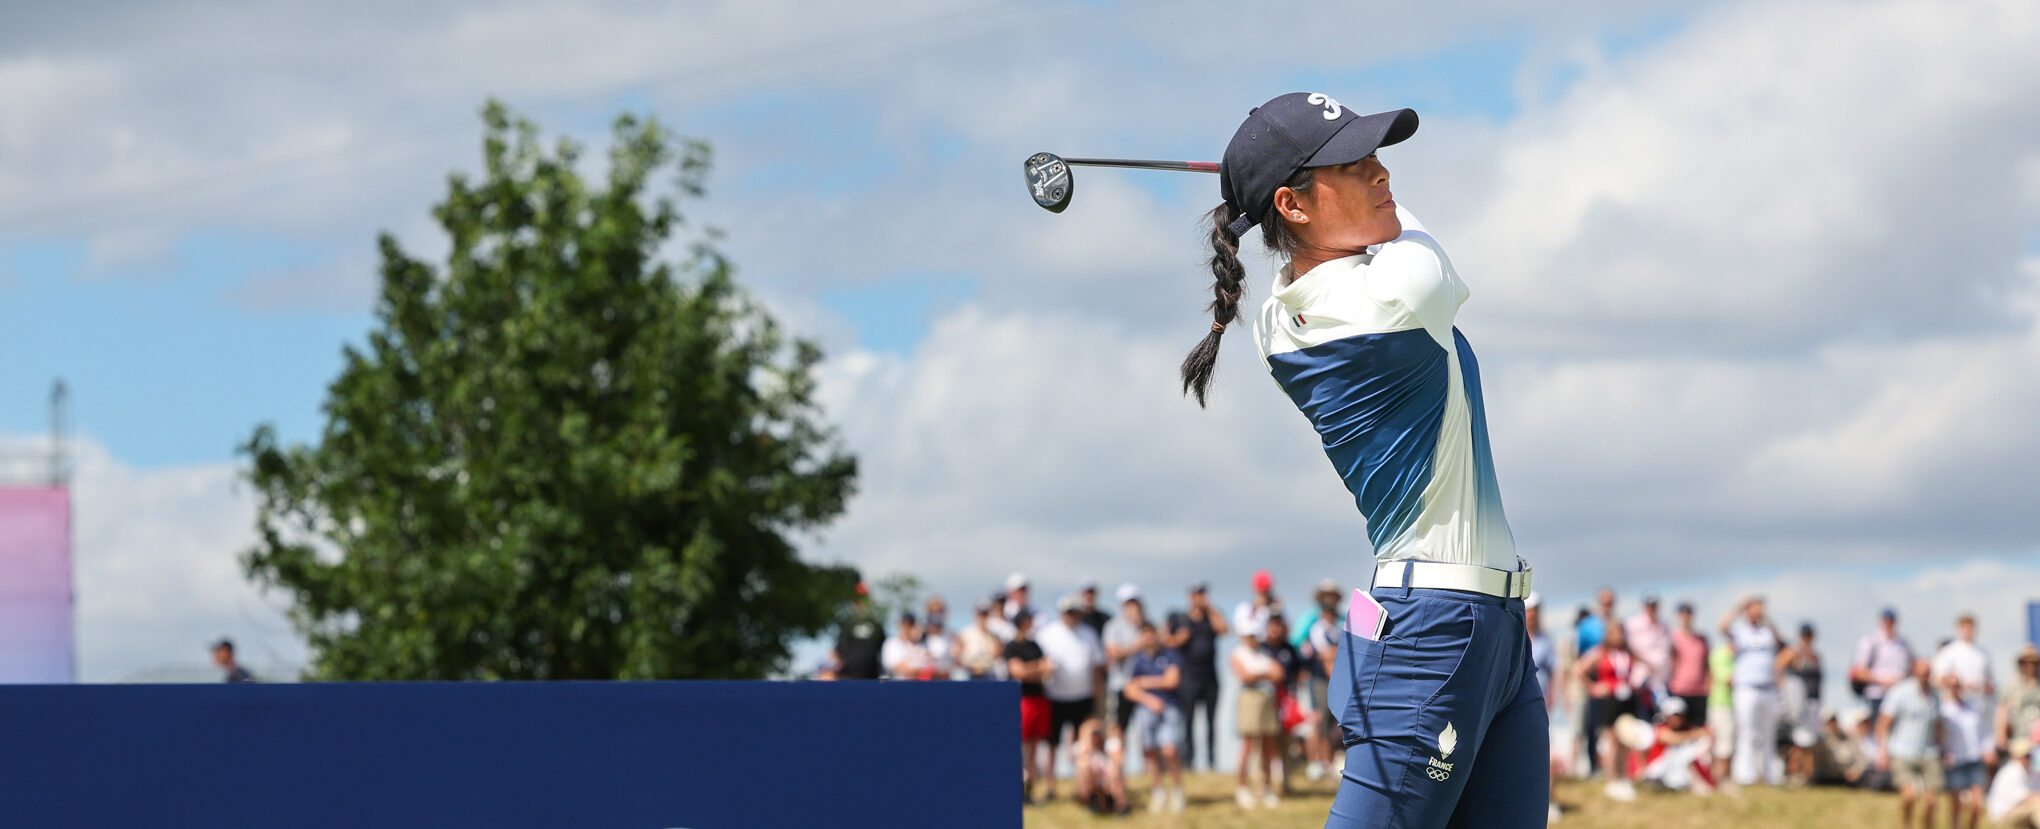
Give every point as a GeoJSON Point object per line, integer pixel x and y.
{"type": "Point", "coordinates": [35, 585]}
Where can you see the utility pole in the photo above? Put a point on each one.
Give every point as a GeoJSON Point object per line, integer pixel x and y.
{"type": "Point", "coordinates": [60, 405]}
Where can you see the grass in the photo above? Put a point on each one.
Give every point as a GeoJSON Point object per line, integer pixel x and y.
{"type": "Point", "coordinates": [1210, 806]}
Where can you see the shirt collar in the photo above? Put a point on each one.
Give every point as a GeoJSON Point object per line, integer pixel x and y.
{"type": "Point", "coordinates": [1295, 290]}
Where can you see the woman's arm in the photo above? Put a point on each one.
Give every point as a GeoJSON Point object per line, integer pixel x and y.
{"type": "Point", "coordinates": [1584, 665]}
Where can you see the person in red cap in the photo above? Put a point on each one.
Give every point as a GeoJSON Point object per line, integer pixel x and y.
{"type": "Point", "coordinates": [1263, 604]}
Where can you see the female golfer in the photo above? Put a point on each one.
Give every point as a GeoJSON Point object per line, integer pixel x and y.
{"type": "Point", "coordinates": [1439, 707]}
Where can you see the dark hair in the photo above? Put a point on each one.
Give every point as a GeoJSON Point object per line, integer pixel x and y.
{"type": "Point", "coordinates": [1146, 626]}
{"type": "Point", "coordinates": [1227, 278]}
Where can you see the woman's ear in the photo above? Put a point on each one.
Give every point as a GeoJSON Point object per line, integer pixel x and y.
{"type": "Point", "coordinates": [1289, 207]}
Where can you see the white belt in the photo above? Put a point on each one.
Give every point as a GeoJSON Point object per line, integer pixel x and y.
{"type": "Point", "coordinates": [1469, 578]}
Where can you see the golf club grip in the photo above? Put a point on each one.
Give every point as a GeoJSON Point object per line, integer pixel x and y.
{"type": "Point", "coordinates": [1189, 166]}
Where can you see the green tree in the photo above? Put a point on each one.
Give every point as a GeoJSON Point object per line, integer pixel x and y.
{"type": "Point", "coordinates": [558, 456]}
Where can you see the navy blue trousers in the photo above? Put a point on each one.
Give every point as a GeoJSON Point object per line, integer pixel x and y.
{"type": "Point", "coordinates": [1443, 722]}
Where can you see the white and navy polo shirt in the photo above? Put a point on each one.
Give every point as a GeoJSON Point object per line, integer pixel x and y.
{"type": "Point", "coordinates": [1366, 348]}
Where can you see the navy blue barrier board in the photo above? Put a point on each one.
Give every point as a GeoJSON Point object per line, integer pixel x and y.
{"type": "Point", "coordinates": [587, 755]}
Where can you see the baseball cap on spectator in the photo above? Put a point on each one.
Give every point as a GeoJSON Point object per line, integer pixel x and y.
{"type": "Point", "coordinates": [1685, 607]}
{"type": "Point", "coordinates": [1328, 586]}
{"type": "Point", "coordinates": [1087, 586]}
{"type": "Point", "coordinates": [1200, 586]}
{"type": "Point", "coordinates": [1016, 581]}
{"type": "Point", "coordinates": [1806, 629]}
{"type": "Point", "coordinates": [1888, 613]}
{"type": "Point", "coordinates": [1128, 593]}
{"type": "Point", "coordinates": [1670, 706]}
{"type": "Point", "coordinates": [1066, 602]}
{"type": "Point", "coordinates": [2028, 653]}
{"type": "Point", "coordinates": [2022, 747]}
{"type": "Point", "coordinates": [982, 606]}
{"type": "Point", "coordinates": [907, 618]}
{"type": "Point", "coordinates": [1650, 597]}
{"type": "Point", "coordinates": [1263, 581]}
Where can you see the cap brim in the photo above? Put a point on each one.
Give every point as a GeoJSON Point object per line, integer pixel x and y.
{"type": "Point", "coordinates": [1360, 137]}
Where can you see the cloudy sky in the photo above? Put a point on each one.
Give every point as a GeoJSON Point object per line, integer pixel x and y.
{"type": "Point", "coordinates": [1755, 285]}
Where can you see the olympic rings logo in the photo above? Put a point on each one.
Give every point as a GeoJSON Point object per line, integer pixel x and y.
{"type": "Point", "coordinates": [1439, 775]}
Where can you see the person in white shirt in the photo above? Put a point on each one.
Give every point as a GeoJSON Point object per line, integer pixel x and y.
{"type": "Point", "coordinates": [1965, 660]}
{"type": "Point", "coordinates": [905, 655]}
{"type": "Point", "coordinates": [999, 624]}
{"type": "Point", "coordinates": [1256, 609]}
{"type": "Point", "coordinates": [978, 649]}
{"type": "Point", "coordinates": [2011, 801]}
{"type": "Point", "coordinates": [1910, 743]}
{"type": "Point", "coordinates": [1651, 640]}
{"type": "Point", "coordinates": [1122, 641]}
{"type": "Point", "coordinates": [1016, 596]}
{"type": "Point", "coordinates": [1882, 659]}
{"type": "Point", "coordinates": [1965, 738]}
{"type": "Point", "coordinates": [1755, 683]}
{"type": "Point", "coordinates": [935, 636]}
{"type": "Point", "coordinates": [1258, 720]}
{"type": "Point", "coordinates": [1076, 665]}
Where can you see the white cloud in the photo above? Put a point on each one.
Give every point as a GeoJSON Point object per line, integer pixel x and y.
{"type": "Point", "coordinates": [1063, 444]}
{"type": "Point", "coordinates": [1778, 176]}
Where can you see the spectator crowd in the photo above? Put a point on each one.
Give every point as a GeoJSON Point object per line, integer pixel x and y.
{"type": "Point", "coordinates": [1665, 703]}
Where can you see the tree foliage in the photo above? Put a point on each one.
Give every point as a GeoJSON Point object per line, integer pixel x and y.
{"type": "Point", "coordinates": [559, 455]}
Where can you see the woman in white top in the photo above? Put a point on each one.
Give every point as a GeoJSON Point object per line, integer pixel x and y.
{"type": "Point", "coordinates": [1755, 682]}
{"type": "Point", "coordinates": [1258, 721]}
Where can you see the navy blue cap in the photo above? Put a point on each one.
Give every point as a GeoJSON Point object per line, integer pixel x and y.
{"type": "Point", "coordinates": [1294, 131]}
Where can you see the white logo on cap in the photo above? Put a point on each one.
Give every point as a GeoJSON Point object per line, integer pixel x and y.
{"type": "Point", "coordinates": [1332, 108]}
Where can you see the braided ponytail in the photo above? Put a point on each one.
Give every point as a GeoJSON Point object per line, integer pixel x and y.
{"type": "Point", "coordinates": [1228, 276]}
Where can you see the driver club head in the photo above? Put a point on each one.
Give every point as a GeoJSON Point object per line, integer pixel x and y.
{"type": "Point", "coordinates": [1049, 181]}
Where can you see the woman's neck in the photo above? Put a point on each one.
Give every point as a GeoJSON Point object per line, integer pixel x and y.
{"type": "Point", "coordinates": [1307, 259]}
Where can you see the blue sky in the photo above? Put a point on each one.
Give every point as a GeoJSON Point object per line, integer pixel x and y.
{"type": "Point", "coordinates": [1732, 338]}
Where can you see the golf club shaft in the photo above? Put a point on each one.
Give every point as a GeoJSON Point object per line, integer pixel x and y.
{"type": "Point", "coordinates": [1190, 166]}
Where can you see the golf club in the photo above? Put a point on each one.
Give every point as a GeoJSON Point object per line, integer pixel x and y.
{"type": "Point", "coordinates": [1050, 182]}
